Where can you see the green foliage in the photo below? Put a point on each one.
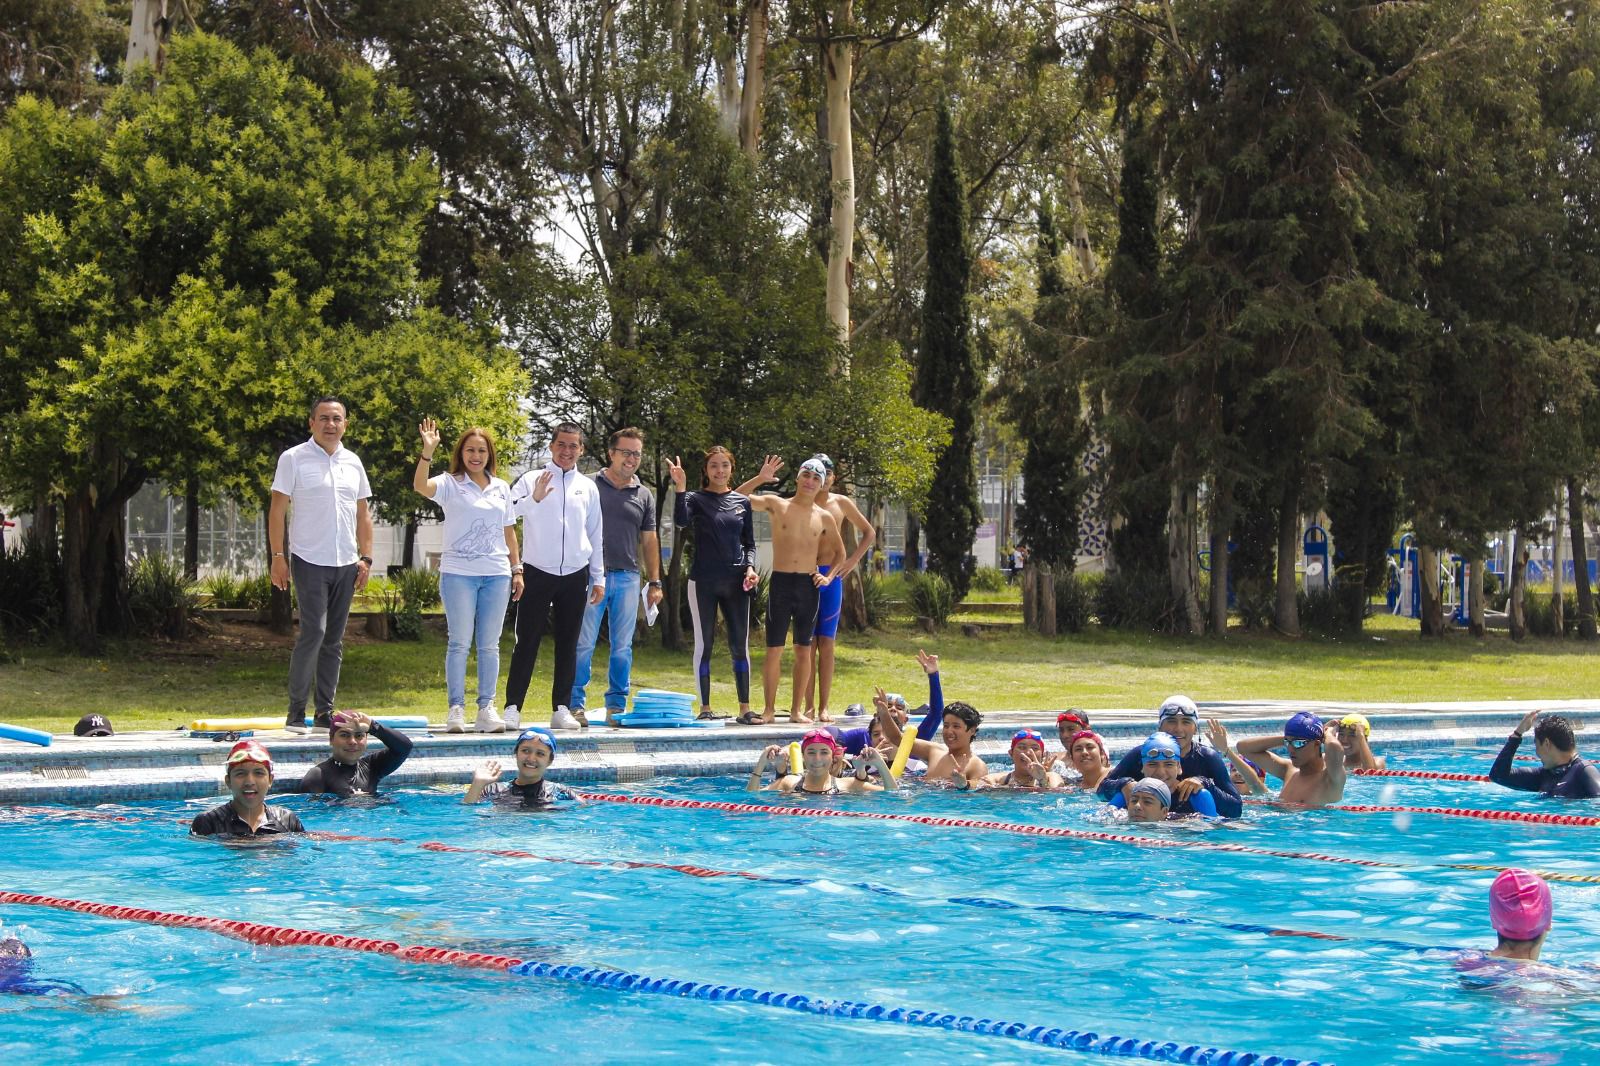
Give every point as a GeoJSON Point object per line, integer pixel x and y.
{"type": "Point", "coordinates": [1335, 612]}
{"type": "Point", "coordinates": [1076, 595]}
{"type": "Point", "coordinates": [1136, 600]}
{"type": "Point", "coordinates": [30, 592]}
{"type": "Point", "coordinates": [404, 616]}
{"type": "Point", "coordinates": [758, 597]}
{"type": "Point", "coordinates": [875, 593]}
{"type": "Point", "coordinates": [419, 588]}
{"type": "Point", "coordinates": [160, 598]}
{"type": "Point", "coordinates": [988, 579]}
{"type": "Point", "coordinates": [1538, 608]}
{"type": "Point", "coordinates": [66, 51]}
{"type": "Point", "coordinates": [931, 596]}
{"type": "Point", "coordinates": [948, 379]}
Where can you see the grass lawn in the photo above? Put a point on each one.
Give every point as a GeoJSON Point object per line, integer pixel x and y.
{"type": "Point", "coordinates": [240, 669]}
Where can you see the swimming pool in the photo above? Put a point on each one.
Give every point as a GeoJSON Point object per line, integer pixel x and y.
{"type": "Point", "coordinates": [1195, 943]}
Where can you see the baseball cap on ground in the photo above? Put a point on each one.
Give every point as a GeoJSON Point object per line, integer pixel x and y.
{"type": "Point", "coordinates": [93, 725]}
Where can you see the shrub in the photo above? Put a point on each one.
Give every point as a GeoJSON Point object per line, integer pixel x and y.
{"type": "Point", "coordinates": [160, 598]}
{"type": "Point", "coordinates": [1255, 602]}
{"type": "Point", "coordinates": [1136, 600]}
{"type": "Point", "coordinates": [418, 588]}
{"type": "Point", "coordinates": [256, 592]}
{"type": "Point", "coordinates": [1075, 599]}
{"type": "Point", "coordinates": [1540, 614]}
{"type": "Point", "coordinates": [405, 616]}
{"type": "Point", "coordinates": [988, 579]}
{"type": "Point", "coordinates": [875, 595]}
{"type": "Point", "coordinates": [758, 598]}
{"type": "Point", "coordinates": [932, 597]}
{"type": "Point", "coordinates": [1329, 612]}
{"type": "Point", "coordinates": [30, 592]}
{"type": "Point", "coordinates": [223, 590]}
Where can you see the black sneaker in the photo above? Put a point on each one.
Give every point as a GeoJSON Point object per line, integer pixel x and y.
{"type": "Point", "coordinates": [323, 721]}
{"type": "Point", "coordinates": [293, 724]}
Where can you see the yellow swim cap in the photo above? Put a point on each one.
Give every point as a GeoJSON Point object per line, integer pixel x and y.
{"type": "Point", "coordinates": [1355, 720]}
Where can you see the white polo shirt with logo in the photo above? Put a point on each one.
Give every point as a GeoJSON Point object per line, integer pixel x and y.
{"type": "Point", "coordinates": [322, 490]}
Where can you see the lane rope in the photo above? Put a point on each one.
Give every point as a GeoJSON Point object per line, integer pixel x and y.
{"type": "Point", "coordinates": [1045, 831]}
{"type": "Point", "coordinates": [624, 981]}
{"type": "Point", "coordinates": [986, 902]}
{"type": "Point", "coordinates": [1527, 817]}
{"type": "Point", "coordinates": [1424, 775]}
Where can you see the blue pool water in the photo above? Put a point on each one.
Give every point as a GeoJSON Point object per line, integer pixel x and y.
{"type": "Point", "coordinates": [192, 996]}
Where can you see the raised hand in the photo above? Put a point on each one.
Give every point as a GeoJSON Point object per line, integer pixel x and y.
{"type": "Point", "coordinates": [1217, 733]}
{"type": "Point", "coordinates": [487, 774]}
{"type": "Point", "coordinates": [429, 429]}
{"type": "Point", "coordinates": [929, 663]}
{"type": "Point", "coordinates": [541, 487]}
{"type": "Point", "coordinates": [680, 480]}
{"type": "Point", "coordinates": [1527, 722]}
{"type": "Point", "coordinates": [770, 468]}
{"type": "Point", "coordinates": [880, 700]}
{"type": "Point", "coordinates": [1030, 767]}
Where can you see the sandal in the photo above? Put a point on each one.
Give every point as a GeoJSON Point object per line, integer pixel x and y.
{"type": "Point", "coordinates": [711, 716]}
{"type": "Point", "coordinates": [750, 718]}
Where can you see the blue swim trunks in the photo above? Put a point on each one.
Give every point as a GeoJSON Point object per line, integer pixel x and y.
{"type": "Point", "coordinates": [829, 606]}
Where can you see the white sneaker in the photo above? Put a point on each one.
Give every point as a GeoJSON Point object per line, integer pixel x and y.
{"type": "Point", "coordinates": [561, 718]}
{"type": "Point", "coordinates": [512, 716]}
{"type": "Point", "coordinates": [456, 720]}
{"type": "Point", "coordinates": [488, 721]}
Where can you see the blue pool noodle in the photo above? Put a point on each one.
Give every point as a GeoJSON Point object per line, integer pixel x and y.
{"type": "Point", "coordinates": [23, 733]}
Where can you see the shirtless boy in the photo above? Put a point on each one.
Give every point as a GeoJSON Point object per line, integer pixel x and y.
{"type": "Point", "coordinates": [807, 553]}
{"type": "Point", "coordinates": [831, 600]}
{"type": "Point", "coordinates": [1313, 774]}
{"type": "Point", "coordinates": [952, 761]}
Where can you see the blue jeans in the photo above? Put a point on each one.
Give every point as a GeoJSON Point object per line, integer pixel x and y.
{"type": "Point", "coordinates": [473, 607]}
{"type": "Point", "coordinates": [622, 604]}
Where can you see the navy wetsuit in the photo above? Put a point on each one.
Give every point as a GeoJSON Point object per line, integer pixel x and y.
{"type": "Point", "coordinates": [1201, 802]}
{"type": "Point", "coordinates": [724, 548]}
{"type": "Point", "coordinates": [1204, 762]}
{"type": "Point", "coordinates": [363, 775]}
{"type": "Point", "coordinates": [223, 821]}
{"type": "Point", "coordinates": [1576, 780]}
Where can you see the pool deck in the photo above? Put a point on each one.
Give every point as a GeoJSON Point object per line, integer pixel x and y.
{"type": "Point", "coordinates": [168, 764]}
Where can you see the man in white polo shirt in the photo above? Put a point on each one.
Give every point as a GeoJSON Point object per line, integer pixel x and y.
{"type": "Point", "coordinates": [563, 566]}
{"type": "Point", "coordinates": [326, 547]}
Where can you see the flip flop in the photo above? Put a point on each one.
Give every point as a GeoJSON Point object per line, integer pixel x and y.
{"type": "Point", "coordinates": [750, 718]}
{"type": "Point", "coordinates": [711, 716]}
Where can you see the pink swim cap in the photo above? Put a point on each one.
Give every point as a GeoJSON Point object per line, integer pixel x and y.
{"type": "Point", "coordinates": [817, 736]}
{"type": "Point", "coordinates": [1519, 905]}
{"type": "Point", "coordinates": [1090, 734]}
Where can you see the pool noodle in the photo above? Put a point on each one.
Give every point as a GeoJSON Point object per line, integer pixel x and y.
{"type": "Point", "coordinates": [902, 754]}
{"type": "Point", "coordinates": [224, 725]}
{"type": "Point", "coordinates": [26, 735]}
{"type": "Point", "coordinates": [797, 765]}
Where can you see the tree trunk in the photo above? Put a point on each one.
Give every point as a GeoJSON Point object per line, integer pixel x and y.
{"type": "Point", "coordinates": [191, 530]}
{"type": "Point", "coordinates": [1046, 600]}
{"type": "Point", "coordinates": [1519, 581]}
{"type": "Point", "coordinates": [1430, 605]}
{"type": "Point", "coordinates": [1221, 522]}
{"type": "Point", "coordinates": [838, 65]}
{"type": "Point", "coordinates": [408, 553]}
{"type": "Point", "coordinates": [913, 552]}
{"type": "Point", "coordinates": [77, 613]}
{"type": "Point", "coordinates": [853, 607]}
{"type": "Point", "coordinates": [1557, 607]}
{"type": "Point", "coordinates": [676, 588]}
{"type": "Point", "coordinates": [44, 525]}
{"type": "Point", "coordinates": [1580, 561]}
{"type": "Point", "coordinates": [755, 77]}
{"type": "Point", "coordinates": [1183, 564]}
{"type": "Point", "coordinates": [1030, 599]}
{"type": "Point", "coordinates": [1082, 248]}
{"type": "Point", "coordinates": [1286, 604]}
{"type": "Point", "coordinates": [1475, 622]}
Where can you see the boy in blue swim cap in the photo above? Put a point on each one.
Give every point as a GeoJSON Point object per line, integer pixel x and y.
{"type": "Point", "coordinates": [1313, 775]}
{"type": "Point", "coordinates": [535, 750]}
{"type": "Point", "coordinates": [1160, 760]}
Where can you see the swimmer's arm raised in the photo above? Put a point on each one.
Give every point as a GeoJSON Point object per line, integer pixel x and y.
{"type": "Point", "coordinates": [1271, 761]}
{"type": "Point", "coordinates": [1502, 773]}
{"type": "Point", "coordinates": [482, 778]}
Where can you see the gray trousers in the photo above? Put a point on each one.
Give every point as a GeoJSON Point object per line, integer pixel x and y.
{"type": "Point", "coordinates": [323, 595]}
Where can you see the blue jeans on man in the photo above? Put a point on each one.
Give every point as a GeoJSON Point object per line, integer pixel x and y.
{"type": "Point", "coordinates": [621, 604]}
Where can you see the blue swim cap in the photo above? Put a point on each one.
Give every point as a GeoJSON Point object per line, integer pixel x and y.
{"type": "Point", "coordinates": [1303, 726]}
{"type": "Point", "coordinates": [535, 733]}
{"type": "Point", "coordinates": [1160, 746]}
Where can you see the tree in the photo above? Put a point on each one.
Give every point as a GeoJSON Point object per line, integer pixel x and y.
{"type": "Point", "coordinates": [188, 266]}
{"type": "Point", "coordinates": [947, 365]}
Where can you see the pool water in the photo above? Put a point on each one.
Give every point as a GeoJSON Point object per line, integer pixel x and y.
{"type": "Point", "coordinates": [1103, 935]}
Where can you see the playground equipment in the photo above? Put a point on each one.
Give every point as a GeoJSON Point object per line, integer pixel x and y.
{"type": "Point", "coordinates": [1405, 583]}
{"type": "Point", "coordinates": [1318, 567]}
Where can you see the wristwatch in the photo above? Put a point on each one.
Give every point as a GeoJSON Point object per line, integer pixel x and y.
{"type": "Point", "coordinates": [366, 559]}
{"type": "Point", "coordinates": [655, 584]}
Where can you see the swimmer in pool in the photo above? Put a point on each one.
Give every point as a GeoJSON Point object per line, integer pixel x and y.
{"type": "Point", "coordinates": [1355, 733]}
{"type": "Point", "coordinates": [1087, 763]}
{"type": "Point", "coordinates": [247, 814]}
{"type": "Point", "coordinates": [1202, 767]}
{"type": "Point", "coordinates": [1027, 765]}
{"type": "Point", "coordinates": [1069, 723]}
{"type": "Point", "coordinates": [1313, 774]}
{"type": "Point", "coordinates": [349, 769]}
{"type": "Point", "coordinates": [535, 750]}
{"type": "Point", "coordinates": [1562, 771]}
{"type": "Point", "coordinates": [1247, 776]}
{"type": "Point", "coordinates": [1520, 911]}
{"type": "Point", "coordinates": [822, 760]}
{"type": "Point", "coordinates": [953, 761]}
{"type": "Point", "coordinates": [16, 973]}
{"type": "Point", "coordinates": [854, 740]}
{"type": "Point", "coordinates": [1160, 761]}
{"type": "Point", "coordinates": [1149, 800]}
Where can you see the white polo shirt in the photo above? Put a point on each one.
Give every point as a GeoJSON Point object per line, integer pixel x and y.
{"type": "Point", "coordinates": [475, 522]}
{"type": "Point", "coordinates": [322, 490]}
{"type": "Point", "coordinates": [561, 533]}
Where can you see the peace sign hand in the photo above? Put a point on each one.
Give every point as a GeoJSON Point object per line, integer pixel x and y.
{"type": "Point", "coordinates": [929, 663]}
{"type": "Point", "coordinates": [680, 481]}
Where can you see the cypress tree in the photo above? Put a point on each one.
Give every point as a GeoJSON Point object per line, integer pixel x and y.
{"type": "Point", "coordinates": [947, 369]}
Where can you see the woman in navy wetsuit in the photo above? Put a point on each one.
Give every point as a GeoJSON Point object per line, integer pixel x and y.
{"type": "Point", "coordinates": [724, 570]}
